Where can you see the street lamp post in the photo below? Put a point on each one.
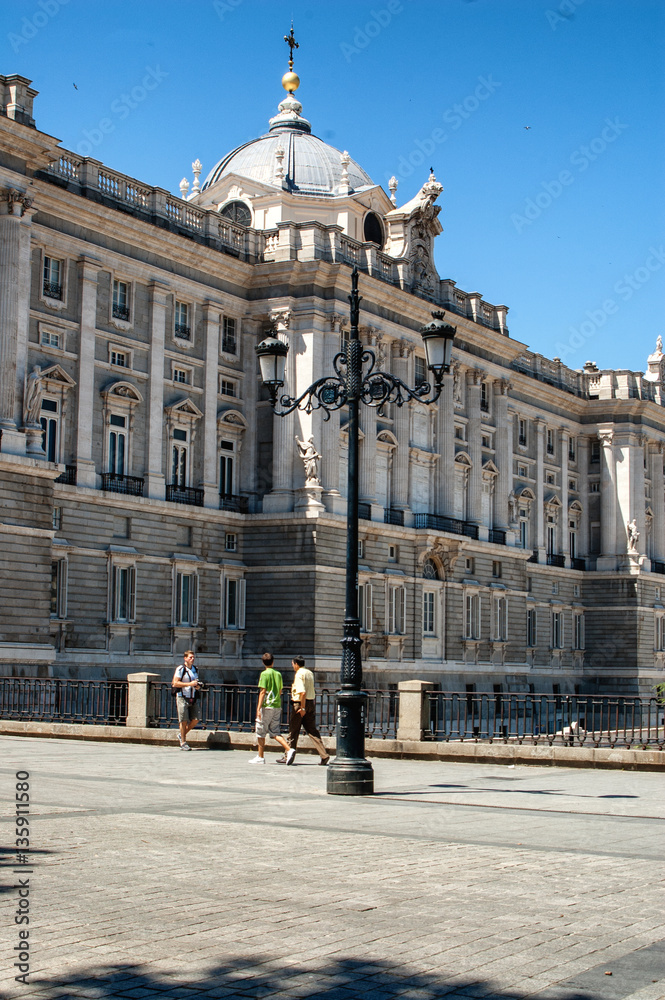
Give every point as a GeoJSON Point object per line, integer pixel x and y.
{"type": "Point", "coordinates": [355, 380]}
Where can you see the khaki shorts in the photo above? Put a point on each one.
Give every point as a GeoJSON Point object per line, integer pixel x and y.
{"type": "Point", "coordinates": [186, 712]}
{"type": "Point", "coordinates": [268, 724]}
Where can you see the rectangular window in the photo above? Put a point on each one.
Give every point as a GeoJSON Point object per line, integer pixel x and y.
{"type": "Point", "coordinates": [182, 328]}
{"type": "Point", "coordinates": [420, 372]}
{"type": "Point", "coordinates": [472, 616]}
{"type": "Point", "coordinates": [531, 634]}
{"type": "Point", "coordinates": [227, 388]}
{"type": "Point", "coordinates": [429, 616]}
{"type": "Point", "coordinates": [469, 564]}
{"type": "Point", "coordinates": [123, 595]}
{"type": "Point", "coordinates": [234, 603]}
{"type": "Point", "coordinates": [229, 344]}
{"type": "Point", "coordinates": [393, 553]}
{"type": "Point", "coordinates": [550, 479]}
{"type": "Point", "coordinates": [226, 483]}
{"type": "Point", "coordinates": [551, 539]}
{"type": "Point", "coordinates": [557, 630]}
{"type": "Point", "coordinates": [120, 359]}
{"type": "Point", "coordinates": [50, 339]}
{"type": "Point", "coordinates": [500, 619]}
{"type": "Point", "coordinates": [572, 485]}
{"type": "Point", "coordinates": [485, 441]}
{"type": "Point", "coordinates": [659, 623]}
{"type": "Point", "coordinates": [231, 542]}
{"type": "Point", "coordinates": [56, 519]}
{"type": "Point", "coordinates": [572, 544]}
{"type": "Point", "coordinates": [59, 588]}
{"type": "Point", "coordinates": [524, 534]}
{"type": "Point", "coordinates": [121, 300]}
{"type": "Point", "coordinates": [182, 375]}
{"type": "Point", "coordinates": [484, 397]}
{"type": "Point", "coordinates": [186, 599]}
{"type": "Point", "coordinates": [117, 444]}
{"type": "Point", "coordinates": [52, 284]}
{"type": "Point", "coordinates": [594, 487]}
{"type": "Point", "coordinates": [496, 569]}
{"type": "Point", "coordinates": [550, 442]}
{"type": "Point", "coordinates": [49, 421]}
{"type": "Point", "coordinates": [396, 610]}
{"type": "Point", "coordinates": [361, 548]}
{"type": "Point", "coordinates": [522, 433]}
{"type": "Point", "coordinates": [179, 464]}
{"type": "Point", "coordinates": [595, 451]}
{"type": "Point", "coordinates": [365, 606]}
{"type": "Point", "coordinates": [578, 627]}
{"type": "Point", "coordinates": [571, 449]}
{"type": "Point", "coordinates": [459, 433]}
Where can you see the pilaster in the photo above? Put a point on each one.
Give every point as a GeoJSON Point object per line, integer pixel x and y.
{"type": "Point", "coordinates": [280, 498]}
{"type": "Point", "coordinates": [88, 268]}
{"type": "Point", "coordinates": [330, 444]}
{"type": "Point", "coordinates": [658, 501]}
{"type": "Point", "coordinates": [211, 322]}
{"type": "Point", "coordinates": [401, 417]}
{"type": "Point", "coordinates": [155, 477]}
{"type": "Point", "coordinates": [540, 497]}
{"type": "Point", "coordinates": [504, 454]}
{"type": "Point", "coordinates": [564, 437]}
{"type": "Point", "coordinates": [608, 502]}
{"type": "Point", "coordinates": [473, 379]}
{"type": "Point", "coordinates": [15, 226]}
{"type": "Point", "coordinates": [583, 488]}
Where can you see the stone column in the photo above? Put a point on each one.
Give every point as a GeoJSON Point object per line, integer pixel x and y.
{"type": "Point", "coordinates": [608, 503]}
{"type": "Point", "coordinates": [280, 498]}
{"type": "Point", "coordinates": [413, 709]}
{"type": "Point", "coordinates": [401, 415]}
{"type": "Point", "coordinates": [141, 700]}
{"type": "Point", "coordinates": [474, 507]}
{"type": "Point", "coordinates": [86, 475]}
{"type": "Point", "coordinates": [636, 445]}
{"type": "Point", "coordinates": [367, 486]}
{"type": "Point", "coordinates": [564, 547]}
{"type": "Point", "coordinates": [504, 454]}
{"type": "Point", "coordinates": [444, 498]}
{"type": "Point", "coordinates": [657, 501]}
{"type": "Point", "coordinates": [211, 321]}
{"type": "Point", "coordinates": [155, 475]}
{"type": "Point", "coordinates": [540, 497]}
{"type": "Point", "coordinates": [15, 225]}
{"type": "Point", "coordinates": [329, 429]}
{"type": "Point", "coordinates": [583, 485]}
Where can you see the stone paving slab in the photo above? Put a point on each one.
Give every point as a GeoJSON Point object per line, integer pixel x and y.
{"type": "Point", "coordinates": [161, 873]}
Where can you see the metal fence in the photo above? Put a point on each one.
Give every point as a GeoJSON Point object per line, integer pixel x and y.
{"type": "Point", "coordinates": [232, 707]}
{"type": "Point", "coordinates": [571, 720]}
{"type": "Point", "coordinates": [54, 699]}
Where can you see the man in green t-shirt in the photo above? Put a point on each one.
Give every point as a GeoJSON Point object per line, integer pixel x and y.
{"type": "Point", "coordinates": [269, 708]}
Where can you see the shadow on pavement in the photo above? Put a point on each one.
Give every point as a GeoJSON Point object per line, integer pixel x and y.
{"type": "Point", "coordinates": [251, 979]}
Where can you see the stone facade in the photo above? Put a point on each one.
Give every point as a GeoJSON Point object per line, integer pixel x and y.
{"type": "Point", "coordinates": [512, 536]}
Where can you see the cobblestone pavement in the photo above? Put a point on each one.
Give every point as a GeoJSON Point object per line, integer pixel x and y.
{"type": "Point", "coordinates": [159, 873]}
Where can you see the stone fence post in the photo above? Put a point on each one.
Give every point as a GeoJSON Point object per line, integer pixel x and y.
{"type": "Point", "coordinates": [141, 700]}
{"type": "Point", "coordinates": [413, 709]}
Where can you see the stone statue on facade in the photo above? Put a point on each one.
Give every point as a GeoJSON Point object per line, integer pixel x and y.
{"type": "Point", "coordinates": [310, 458]}
{"type": "Point", "coordinates": [512, 508]}
{"type": "Point", "coordinates": [32, 400]}
{"type": "Point", "coordinates": [633, 535]}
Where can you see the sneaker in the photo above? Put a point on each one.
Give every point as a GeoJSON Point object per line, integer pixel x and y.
{"type": "Point", "coordinates": [185, 746]}
{"type": "Point", "coordinates": [257, 760]}
{"type": "Point", "coordinates": [323, 761]}
{"type": "Point", "coordinates": [281, 760]}
{"type": "Point", "coordinates": [290, 756]}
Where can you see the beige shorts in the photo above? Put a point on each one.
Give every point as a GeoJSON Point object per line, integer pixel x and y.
{"type": "Point", "coordinates": [269, 722]}
{"type": "Point", "coordinates": [186, 712]}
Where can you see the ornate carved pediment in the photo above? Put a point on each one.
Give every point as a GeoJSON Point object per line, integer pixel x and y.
{"type": "Point", "coordinates": [524, 493]}
{"type": "Point", "coordinates": [57, 377]}
{"type": "Point", "coordinates": [552, 500]}
{"type": "Point", "coordinates": [232, 418]}
{"type": "Point", "coordinates": [490, 469]}
{"type": "Point", "coordinates": [122, 390]}
{"type": "Point", "coordinates": [184, 408]}
{"type": "Point", "coordinates": [575, 507]}
{"type": "Point", "coordinates": [462, 458]}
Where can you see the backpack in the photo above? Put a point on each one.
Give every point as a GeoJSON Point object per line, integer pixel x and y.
{"type": "Point", "coordinates": [175, 691]}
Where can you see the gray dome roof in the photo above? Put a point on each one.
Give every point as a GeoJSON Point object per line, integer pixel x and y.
{"type": "Point", "coordinates": [311, 166]}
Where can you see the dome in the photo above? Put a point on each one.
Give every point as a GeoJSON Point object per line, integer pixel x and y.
{"type": "Point", "coordinates": [310, 165]}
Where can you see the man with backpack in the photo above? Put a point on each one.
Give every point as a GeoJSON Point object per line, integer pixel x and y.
{"type": "Point", "coordinates": [186, 683]}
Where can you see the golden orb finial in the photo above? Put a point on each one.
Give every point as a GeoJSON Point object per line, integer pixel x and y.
{"type": "Point", "coordinates": [290, 81]}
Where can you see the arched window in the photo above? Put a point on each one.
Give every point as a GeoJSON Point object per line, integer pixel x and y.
{"type": "Point", "coordinates": [373, 229]}
{"type": "Point", "coordinates": [238, 212]}
{"type": "Point", "coordinates": [430, 571]}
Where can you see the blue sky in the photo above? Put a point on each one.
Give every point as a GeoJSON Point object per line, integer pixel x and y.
{"type": "Point", "coordinates": [562, 221]}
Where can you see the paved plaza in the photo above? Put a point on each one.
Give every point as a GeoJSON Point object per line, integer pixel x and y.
{"type": "Point", "coordinates": [161, 873]}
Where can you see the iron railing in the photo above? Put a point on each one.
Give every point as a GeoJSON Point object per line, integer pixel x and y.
{"type": "Point", "coordinates": [185, 494]}
{"type": "Point", "coordinates": [554, 559]}
{"type": "Point", "coordinates": [391, 516]}
{"type": "Point", "coordinates": [183, 331]}
{"type": "Point", "coordinates": [572, 720]}
{"type": "Point", "coordinates": [55, 699]}
{"type": "Point", "coordinates": [657, 567]}
{"type": "Point", "coordinates": [232, 708]}
{"type": "Point", "coordinates": [114, 482]}
{"type": "Point", "coordinates": [439, 522]}
{"type": "Point", "coordinates": [68, 477]}
{"type": "Point", "coordinates": [52, 290]}
{"type": "Point", "coordinates": [121, 312]}
{"type": "Point", "coordinates": [365, 511]}
{"type": "Point", "coordinates": [576, 563]}
{"type": "Point", "coordinates": [230, 501]}
{"type": "Point", "coordinates": [498, 536]}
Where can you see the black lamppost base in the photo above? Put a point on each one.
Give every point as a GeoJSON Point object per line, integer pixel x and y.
{"type": "Point", "coordinates": [350, 776]}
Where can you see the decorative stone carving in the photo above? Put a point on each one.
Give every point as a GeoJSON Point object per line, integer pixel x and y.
{"type": "Point", "coordinates": [310, 458]}
{"type": "Point", "coordinates": [412, 229]}
{"type": "Point", "coordinates": [280, 318]}
{"type": "Point", "coordinates": [633, 535]}
{"type": "Point", "coordinates": [32, 400]}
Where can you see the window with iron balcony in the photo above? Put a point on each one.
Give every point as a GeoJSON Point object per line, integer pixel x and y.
{"type": "Point", "coordinates": [182, 328]}
{"type": "Point", "coordinates": [121, 300]}
{"type": "Point", "coordinates": [229, 344]}
{"type": "Point", "coordinates": [52, 279]}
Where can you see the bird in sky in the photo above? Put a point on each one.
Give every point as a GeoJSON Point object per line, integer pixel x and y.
{"type": "Point", "coordinates": [527, 126]}
{"type": "Point", "coordinates": [75, 87]}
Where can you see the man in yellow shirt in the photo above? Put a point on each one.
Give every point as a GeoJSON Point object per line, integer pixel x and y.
{"type": "Point", "coordinates": [303, 714]}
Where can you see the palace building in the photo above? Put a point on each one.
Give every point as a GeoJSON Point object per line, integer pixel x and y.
{"type": "Point", "coordinates": [512, 535]}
